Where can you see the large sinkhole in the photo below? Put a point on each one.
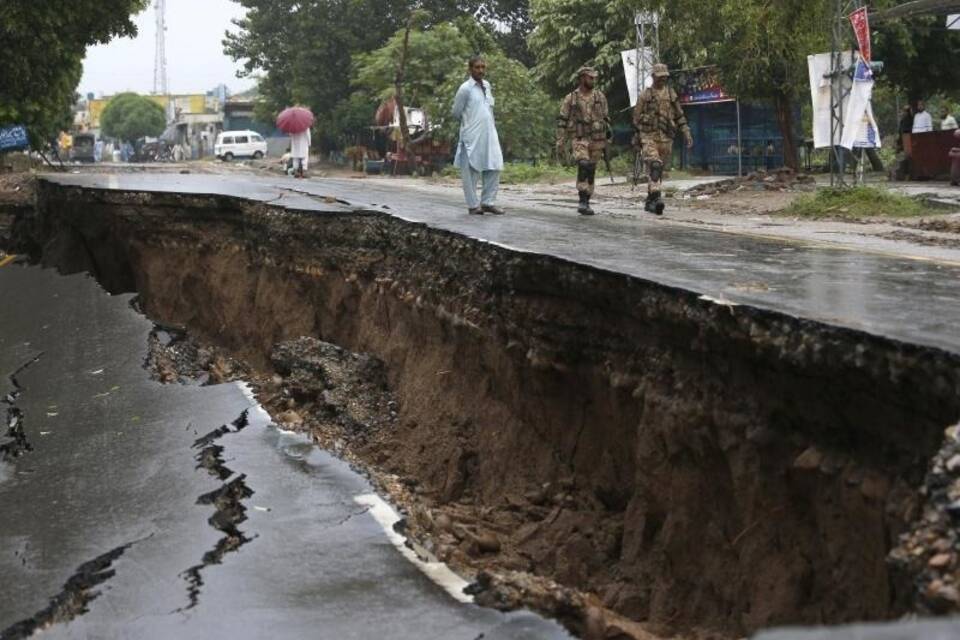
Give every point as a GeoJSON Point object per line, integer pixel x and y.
{"type": "Point", "coordinates": [694, 466]}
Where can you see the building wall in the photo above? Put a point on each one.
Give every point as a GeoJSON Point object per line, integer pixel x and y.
{"type": "Point", "coordinates": [194, 103]}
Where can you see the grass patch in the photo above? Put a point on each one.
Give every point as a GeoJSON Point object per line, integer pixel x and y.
{"type": "Point", "coordinates": [525, 173]}
{"type": "Point", "coordinates": [858, 202]}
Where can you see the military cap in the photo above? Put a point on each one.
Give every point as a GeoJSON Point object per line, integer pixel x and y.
{"type": "Point", "coordinates": [590, 71]}
{"type": "Point", "coordinates": [661, 71]}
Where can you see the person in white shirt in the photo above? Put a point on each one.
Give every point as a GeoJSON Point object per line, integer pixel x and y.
{"type": "Point", "coordinates": [300, 150]}
{"type": "Point", "coordinates": [947, 121]}
{"type": "Point", "coordinates": [922, 121]}
{"type": "Point", "coordinates": [479, 156]}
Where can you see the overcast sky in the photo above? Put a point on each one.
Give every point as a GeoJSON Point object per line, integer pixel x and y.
{"type": "Point", "coordinates": [195, 59]}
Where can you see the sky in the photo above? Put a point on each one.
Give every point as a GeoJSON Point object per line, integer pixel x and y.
{"type": "Point", "coordinates": [195, 59]}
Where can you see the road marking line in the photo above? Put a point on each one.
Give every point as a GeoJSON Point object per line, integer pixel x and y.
{"type": "Point", "coordinates": [7, 260]}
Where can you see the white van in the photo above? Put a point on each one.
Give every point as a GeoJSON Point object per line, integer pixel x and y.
{"type": "Point", "coordinates": [239, 144]}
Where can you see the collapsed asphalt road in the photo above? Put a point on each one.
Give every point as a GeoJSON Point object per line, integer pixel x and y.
{"type": "Point", "coordinates": [587, 397]}
{"type": "Point", "coordinates": [135, 509]}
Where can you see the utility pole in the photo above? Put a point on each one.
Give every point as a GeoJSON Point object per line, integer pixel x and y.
{"type": "Point", "coordinates": [840, 81]}
{"type": "Point", "coordinates": [160, 53]}
{"type": "Point", "coordinates": [647, 35]}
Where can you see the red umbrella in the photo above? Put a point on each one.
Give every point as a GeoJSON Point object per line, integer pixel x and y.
{"type": "Point", "coordinates": [295, 120]}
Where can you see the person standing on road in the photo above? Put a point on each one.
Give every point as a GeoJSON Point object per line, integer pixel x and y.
{"type": "Point", "coordinates": [300, 152]}
{"type": "Point", "coordinates": [584, 117]}
{"type": "Point", "coordinates": [922, 121]}
{"type": "Point", "coordinates": [478, 152]}
{"type": "Point", "coordinates": [657, 118]}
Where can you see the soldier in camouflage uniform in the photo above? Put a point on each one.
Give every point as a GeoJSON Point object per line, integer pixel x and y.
{"type": "Point", "coordinates": [657, 118]}
{"type": "Point", "coordinates": [585, 120]}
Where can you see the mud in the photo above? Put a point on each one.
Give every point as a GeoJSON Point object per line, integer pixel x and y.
{"type": "Point", "coordinates": [17, 193]}
{"type": "Point", "coordinates": [702, 469]}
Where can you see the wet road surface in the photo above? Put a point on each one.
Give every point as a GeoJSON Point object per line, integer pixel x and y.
{"type": "Point", "coordinates": [910, 300]}
{"type": "Point", "coordinates": [107, 507]}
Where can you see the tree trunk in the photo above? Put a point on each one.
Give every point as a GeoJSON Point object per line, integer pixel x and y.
{"type": "Point", "coordinates": [398, 89]}
{"type": "Point", "coordinates": [784, 111]}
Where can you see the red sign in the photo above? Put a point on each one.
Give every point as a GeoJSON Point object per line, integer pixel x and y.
{"type": "Point", "coordinates": [861, 27]}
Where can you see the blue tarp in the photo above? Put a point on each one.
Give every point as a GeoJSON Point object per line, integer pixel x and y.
{"type": "Point", "coordinates": [14, 137]}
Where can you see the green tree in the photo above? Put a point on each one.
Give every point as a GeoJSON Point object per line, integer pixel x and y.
{"type": "Point", "coordinates": [525, 114]}
{"type": "Point", "coordinates": [302, 49]}
{"type": "Point", "coordinates": [759, 45]}
{"type": "Point", "coordinates": [763, 51]}
{"type": "Point", "coordinates": [43, 45]}
{"type": "Point", "coordinates": [432, 54]}
{"type": "Point", "coordinates": [129, 117]}
{"type": "Point", "coordinates": [919, 55]}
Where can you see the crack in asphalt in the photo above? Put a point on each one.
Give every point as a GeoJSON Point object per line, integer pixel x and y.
{"type": "Point", "coordinates": [14, 442]}
{"type": "Point", "coordinates": [72, 601]}
{"type": "Point", "coordinates": [228, 503]}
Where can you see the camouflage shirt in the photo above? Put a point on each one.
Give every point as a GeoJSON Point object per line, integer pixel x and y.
{"type": "Point", "coordinates": [658, 111]}
{"type": "Point", "coordinates": [583, 117]}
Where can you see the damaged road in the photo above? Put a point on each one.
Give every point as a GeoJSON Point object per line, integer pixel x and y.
{"type": "Point", "coordinates": [155, 511]}
{"type": "Point", "coordinates": [704, 434]}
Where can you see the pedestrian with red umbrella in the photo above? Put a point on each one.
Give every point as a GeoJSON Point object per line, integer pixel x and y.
{"type": "Point", "coordinates": [297, 121]}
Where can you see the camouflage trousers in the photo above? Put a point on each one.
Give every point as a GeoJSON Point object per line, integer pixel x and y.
{"type": "Point", "coordinates": [656, 149]}
{"type": "Point", "coordinates": [585, 150]}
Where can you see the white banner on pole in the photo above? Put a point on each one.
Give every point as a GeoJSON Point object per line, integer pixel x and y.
{"type": "Point", "coordinates": [631, 70]}
{"type": "Point", "coordinates": [819, 66]}
{"type": "Point", "coordinates": [953, 22]}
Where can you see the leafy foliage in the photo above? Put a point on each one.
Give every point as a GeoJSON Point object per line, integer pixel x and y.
{"type": "Point", "coordinates": [920, 57]}
{"type": "Point", "coordinates": [303, 50]}
{"type": "Point", "coordinates": [130, 117]}
{"type": "Point", "coordinates": [436, 68]}
{"type": "Point", "coordinates": [431, 55]}
{"type": "Point", "coordinates": [43, 46]}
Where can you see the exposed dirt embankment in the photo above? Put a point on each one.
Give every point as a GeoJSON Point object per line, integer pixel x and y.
{"type": "Point", "coordinates": [16, 198]}
{"type": "Point", "coordinates": [697, 467]}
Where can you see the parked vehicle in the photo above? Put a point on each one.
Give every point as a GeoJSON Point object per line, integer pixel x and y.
{"type": "Point", "coordinates": [153, 151]}
{"type": "Point", "coordinates": [84, 148]}
{"type": "Point", "coordinates": [239, 144]}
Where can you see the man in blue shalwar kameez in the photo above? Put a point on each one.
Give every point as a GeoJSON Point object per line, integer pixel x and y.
{"type": "Point", "coordinates": [478, 152]}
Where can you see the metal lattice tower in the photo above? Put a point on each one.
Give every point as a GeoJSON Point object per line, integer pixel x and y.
{"type": "Point", "coordinates": [160, 54]}
{"type": "Point", "coordinates": [647, 35]}
{"type": "Point", "coordinates": [840, 77]}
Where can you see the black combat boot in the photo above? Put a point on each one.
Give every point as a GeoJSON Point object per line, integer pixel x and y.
{"type": "Point", "coordinates": [654, 204]}
{"type": "Point", "coordinates": [584, 208]}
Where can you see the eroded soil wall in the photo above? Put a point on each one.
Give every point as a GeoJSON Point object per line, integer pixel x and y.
{"type": "Point", "coordinates": [724, 468]}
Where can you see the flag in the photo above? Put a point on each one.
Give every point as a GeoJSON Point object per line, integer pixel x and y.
{"type": "Point", "coordinates": [861, 27]}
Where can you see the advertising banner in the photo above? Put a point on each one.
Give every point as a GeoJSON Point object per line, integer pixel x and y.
{"type": "Point", "coordinates": [700, 86]}
{"type": "Point", "coordinates": [14, 137]}
{"type": "Point", "coordinates": [631, 69]}
{"type": "Point", "coordinates": [860, 126]}
{"type": "Point", "coordinates": [819, 66]}
{"type": "Point", "coordinates": [861, 28]}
